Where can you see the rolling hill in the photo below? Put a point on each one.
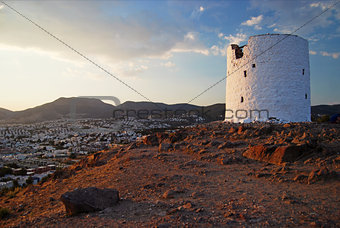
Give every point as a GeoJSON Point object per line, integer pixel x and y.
{"type": "Point", "coordinates": [4, 113]}
{"type": "Point", "coordinates": [325, 109]}
{"type": "Point", "coordinates": [77, 107]}
{"type": "Point", "coordinates": [61, 108]}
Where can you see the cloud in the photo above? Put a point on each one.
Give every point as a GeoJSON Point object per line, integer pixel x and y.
{"type": "Point", "coordinates": [290, 15]}
{"type": "Point", "coordinates": [334, 55]}
{"type": "Point", "coordinates": [133, 69]}
{"type": "Point", "coordinates": [237, 39]}
{"type": "Point", "coordinates": [325, 5]}
{"type": "Point", "coordinates": [88, 28]}
{"type": "Point", "coordinates": [190, 43]}
{"type": "Point", "coordinates": [179, 49]}
{"type": "Point", "coordinates": [282, 30]}
{"type": "Point", "coordinates": [196, 13]}
{"type": "Point", "coordinates": [312, 52]}
{"type": "Point", "coordinates": [216, 50]}
{"type": "Point", "coordinates": [221, 50]}
{"type": "Point", "coordinates": [121, 69]}
{"type": "Point", "coordinates": [271, 26]}
{"type": "Point", "coordinates": [321, 5]}
{"type": "Point", "coordinates": [168, 64]}
{"type": "Point", "coordinates": [254, 21]}
{"type": "Point", "coordinates": [190, 36]}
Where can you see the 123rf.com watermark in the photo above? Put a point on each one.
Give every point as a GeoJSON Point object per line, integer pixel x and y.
{"type": "Point", "coordinates": [162, 111]}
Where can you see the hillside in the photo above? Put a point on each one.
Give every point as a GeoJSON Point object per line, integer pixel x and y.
{"type": "Point", "coordinates": [325, 109]}
{"type": "Point", "coordinates": [62, 108]}
{"type": "Point", "coordinates": [4, 113]}
{"type": "Point", "coordinates": [213, 175]}
{"type": "Point", "coordinates": [77, 107]}
{"type": "Point", "coordinates": [211, 112]}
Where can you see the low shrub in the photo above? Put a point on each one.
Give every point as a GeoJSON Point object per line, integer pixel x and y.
{"type": "Point", "coordinates": [4, 212]}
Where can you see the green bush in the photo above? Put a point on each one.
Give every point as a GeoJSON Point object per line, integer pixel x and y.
{"type": "Point", "coordinates": [323, 119]}
{"type": "Point", "coordinates": [44, 179]}
{"type": "Point", "coordinates": [73, 156]}
{"type": "Point", "coordinates": [29, 181]}
{"type": "Point", "coordinates": [59, 173]}
{"type": "Point", "coordinates": [4, 212]}
{"type": "Point", "coordinates": [4, 171]}
{"type": "Point", "coordinates": [13, 165]}
{"type": "Point", "coordinates": [4, 191]}
{"type": "Point", "coordinates": [15, 184]}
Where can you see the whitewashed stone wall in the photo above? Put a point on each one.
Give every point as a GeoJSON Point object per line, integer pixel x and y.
{"type": "Point", "coordinates": [277, 80]}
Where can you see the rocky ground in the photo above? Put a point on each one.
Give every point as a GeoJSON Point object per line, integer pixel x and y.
{"type": "Point", "coordinates": [216, 174]}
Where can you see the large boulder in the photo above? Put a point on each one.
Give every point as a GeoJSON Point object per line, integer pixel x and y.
{"type": "Point", "coordinates": [89, 200]}
{"type": "Point", "coordinates": [277, 155]}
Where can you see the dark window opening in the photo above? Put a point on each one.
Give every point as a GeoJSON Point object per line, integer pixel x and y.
{"type": "Point", "coordinates": [238, 50]}
{"type": "Point", "coordinates": [245, 73]}
{"type": "Point", "coordinates": [303, 71]}
{"type": "Point", "coordinates": [253, 65]}
{"type": "Point", "coordinates": [241, 99]}
{"type": "Point", "coordinates": [305, 95]}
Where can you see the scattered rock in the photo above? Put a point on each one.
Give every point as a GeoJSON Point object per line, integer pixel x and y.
{"type": "Point", "coordinates": [89, 200]}
{"type": "Point", "coordinates": [163, 225]}
{"type": "Point", "coordinates": [300, 178]}
{"type": "Point", "coordinates": [226, 145]}
{"type": "Point", "coordinates": [259, 175]}
{"type": "Point", "coordinates": [187, 205]}
{"type": "Point", "coordinates": [177, 136]}
{"type": "Point", "coordinates": [214, 143]}
{"type": "Point", "coordinates": [164, 147]}
{"type": "Point", "coordinates": [322, 174]}
{"type": "Point", "coordinates": [132, 146]}
{"type": "Point", "coordinates": [240, 130]}
{"type": "Point", "coordinates": [205, 142]}
{"type": "Point", "coordinates": [286, 125]}
{"type": "Point", "coordinates": [151, 140]}
{"type": "Point", "coordinates": [169, 194]}
{"type": "Point", "coordinates": [277, 155]}
{"type": "Point", "coordinates": [229, 160]}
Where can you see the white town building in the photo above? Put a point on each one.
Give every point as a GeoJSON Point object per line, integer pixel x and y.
{"type": "Point", "coordinates": [268, 78]}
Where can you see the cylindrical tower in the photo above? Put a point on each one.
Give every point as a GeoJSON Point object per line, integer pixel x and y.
{"type": "Point", "coordinates": [268, 78]}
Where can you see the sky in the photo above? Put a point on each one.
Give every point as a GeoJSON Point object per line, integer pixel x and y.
{"type": "Point", "coordinates": [168, 51]}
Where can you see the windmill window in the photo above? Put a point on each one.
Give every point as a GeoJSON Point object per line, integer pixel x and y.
{"type": "Point", "coordinates": [241, 99]}
{"type": "Point", "coordinates": [253, 65]}
{"type": "Point", "coordinates": [306, 96]}
{"type": "Point", "coordinates": [303, 71]}
{"type": "Point", "coordinates": [245, 73]}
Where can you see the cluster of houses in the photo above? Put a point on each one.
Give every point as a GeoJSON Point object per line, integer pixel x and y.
{"type": "Point", "coordinates": [32, 171]}
{"type": "Point", "coordinates": [44, 146]}
{"type": "Point", "coordinates": [21, 175]}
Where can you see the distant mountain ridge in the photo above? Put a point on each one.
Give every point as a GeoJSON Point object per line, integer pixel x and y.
{"type": "Point", "coordinates": [4, 113]}
{"type": "Point", "coordinates": [77, 107]}
{"type": "Point", "coordinates": [61, 108]}
{"type": "Point", "coordinates": [325, 109]}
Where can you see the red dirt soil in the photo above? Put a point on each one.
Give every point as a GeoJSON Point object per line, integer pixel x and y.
{"type": "Point", "coordinates": [199, 177]}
